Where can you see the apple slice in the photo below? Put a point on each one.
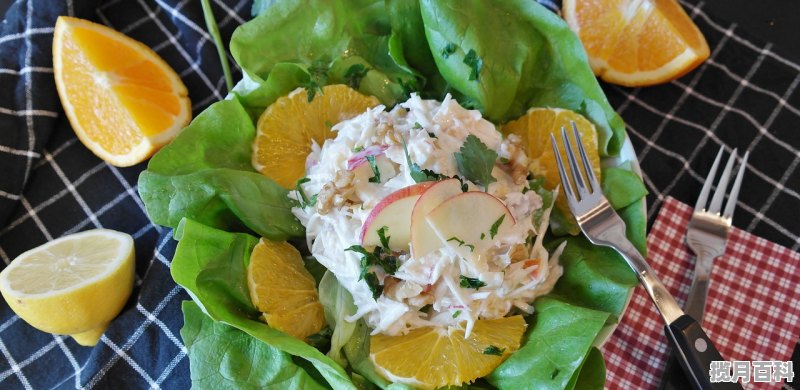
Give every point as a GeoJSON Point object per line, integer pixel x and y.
{"type": "Point", "coordinates": [423, 239]}
{"type": "Point", "coordinates": [394, 213]}
{"type": "Point", "coordinates": [469, 222]}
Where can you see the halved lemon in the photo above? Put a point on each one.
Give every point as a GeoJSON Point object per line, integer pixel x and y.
{"type": "Point", "coordinates": [73, 285]}
{"type": "Point", "coordinates": [123, 101]}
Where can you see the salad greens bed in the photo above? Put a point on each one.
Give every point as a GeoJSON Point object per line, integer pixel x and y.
{"type": "Point", "coordinates": [498, 57]}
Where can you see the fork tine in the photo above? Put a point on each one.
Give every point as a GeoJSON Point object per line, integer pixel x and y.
{"type": "Point", "coordinates": [562, 172]}
{"type": "Point", "coordinates": [590, 177]}
{"type": "Point", "coordinates": [722, 186]}
{"type": "Point", "coordinates": [731, 205]}
{"type": "Point", "coordinates": [573, 164]}
{"type": "Point", "coordinates": [703, 198]}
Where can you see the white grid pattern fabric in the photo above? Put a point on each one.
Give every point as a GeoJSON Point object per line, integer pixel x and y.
{"type": "Point", "coordinates": [745, 96]}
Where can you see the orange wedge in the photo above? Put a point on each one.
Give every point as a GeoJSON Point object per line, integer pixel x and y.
{"type": "Point", "coordinates": [637, 42]}
{"type": "Point", "coordinates": [281, 287]}
{"type": "Point", "coordinates": [288, 126]}
{"type": "Point", "coordinates": [535, 127]}
{"type": "Point", "coordinates": [434, 357]}
{"type": "Point", "coordinates": [123, 101]}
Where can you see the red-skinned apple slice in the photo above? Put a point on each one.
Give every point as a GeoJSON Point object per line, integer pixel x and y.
{"type": "Point", "coordinates": [423, 239]}
{"type": "Point", "coordinates": [469, 222]}
{"type": "Point", "coordinates": [393, 212]}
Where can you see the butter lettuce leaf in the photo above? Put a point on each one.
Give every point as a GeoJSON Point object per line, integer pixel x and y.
{"type": "Point", "coordinates": [210, 264]}
{"type": "Point", "coordinates": [529, 57]}
{"type": "Point", "coordinates": [223, 357]}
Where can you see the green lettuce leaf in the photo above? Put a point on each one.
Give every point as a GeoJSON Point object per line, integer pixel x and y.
{"type": "Point", "coordinates": [338, 304]}
{"type": "Point", "coordinates": [528, 57]}
{"type": "Point", "coordinates": [223, 357]}
{"type": "Point", "coordinates": [622, 186]}
{"type": "Point", "coordinates": [296, 37]}
{"type": "Point", "coordinates": [594, 277]}
{"type": "Point", "coordinates": [592, 373]}
{"type": "Point", "coordinates": [210, 264]}
{"type": "Point", "coordinates": [554, 348]}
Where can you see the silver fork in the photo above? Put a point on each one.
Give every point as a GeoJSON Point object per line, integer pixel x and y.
{"type": "Point", "coordinates": [707, 235]}
{"type": "Point", "coordinates": [602, 226]}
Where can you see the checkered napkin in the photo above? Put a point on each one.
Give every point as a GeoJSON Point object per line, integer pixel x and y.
{"type": "Point", "coordinates": [745, 96]}
{"type": "Point", "coordinates": [751, 311]}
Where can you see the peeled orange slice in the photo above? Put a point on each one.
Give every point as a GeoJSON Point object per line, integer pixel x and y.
{"type": "Point", "coordinates": [637, 42]}
{"type": "Point", "coordinates": [282, 288]}
{"type": "Point", "coordinates": [434, 357]}
{"type": "Point", "coordinates": [123, 101]}
{"type": "Point", "coordinates": [73, 285]}
{"type": "Point", "coordinates": [535, 127]}
{"type": "Point", "coordinates": [288, 126]}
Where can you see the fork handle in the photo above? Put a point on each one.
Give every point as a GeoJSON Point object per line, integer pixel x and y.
{"type": "Point", "coordinates": [695, 352]}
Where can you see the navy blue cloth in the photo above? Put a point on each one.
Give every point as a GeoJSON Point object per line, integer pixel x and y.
{"type": "Point", "coordinates": [745, 96]}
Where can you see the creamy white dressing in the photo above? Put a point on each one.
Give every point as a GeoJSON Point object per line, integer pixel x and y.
{"type": "Point", "coordinates": [433, 131]}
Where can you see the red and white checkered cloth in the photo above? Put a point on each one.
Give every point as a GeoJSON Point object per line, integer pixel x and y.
{"type": "Point", "coordinates": [752, 310]}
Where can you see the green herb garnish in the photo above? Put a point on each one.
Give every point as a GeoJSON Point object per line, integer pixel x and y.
{"type": "Point", "coordinates": [492, 350]}
{"type": "Point", "coordinates": [304, 200]}
{"type": "Point", "coordinates": [358, 149]}
{"type": "Point", "coordinates": [456, 313]}
{"type": "Point", "coordinates": [376, 173]}
{"type": "Point", "coordinates": [496, 225]}
{"type": "Point", "coordinates": [432, 135]}
{"type": "Point", "coordinates": [417, 126]}
{"type": "Point", "coordinates": [467, 282]}
{"type": "Point", "coordinates": [475, 161]}
{"type": "Point", "coordinates": [475, 63]}
{"type": "Point", "coordinates": [354, 75]}
{"type": "Point", "coordinates": [317, 77]}
{"type": "Point", "coordinates": [384, 238]}
{"type": "Point", "coordinates": [418, 174]}
{"type": "Point", "coordinates": [374, 285]}
{"type": "Point", "coordinates": [449, 49]}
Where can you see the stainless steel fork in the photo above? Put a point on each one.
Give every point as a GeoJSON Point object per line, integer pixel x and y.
{"type": "Point", "coordinates": [707, 235]}
{"type": "Point", "coordinates": [602, 226]}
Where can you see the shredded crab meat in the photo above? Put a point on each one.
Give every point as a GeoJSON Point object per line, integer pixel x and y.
{"type": "Point", "coordinates": [429, 290]}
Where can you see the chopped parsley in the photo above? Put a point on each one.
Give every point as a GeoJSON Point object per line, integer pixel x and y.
{"type": "Point", "coordinates": [374, 285]}
{"type": "Point", "coordinates": [418, 174]}
{"type": "Point", "coordinates": [328, 124]}
{"type": "Point", "coordinates": [449, 49]}
{"type": "Point", "coordinates": [462, 243]}
{"type": "Point", "coordinates": [358, 149]}
{"type": "Point", "coordinates": [354, 75]}
{"type": "Point", "coordinates": [467, 282]}
{"type": "Point", "coordinates": [384, 238]}
{"type": "Point", "coordinates": [475, 161]}
{"type": "Point", "coordinates": [457, 313]}
{"type": "Point", "coordinates": [475, 63]}
{"type": "Point", "coordinates": [432, 135]}
{"type": "Point", "coordinates": [417, 126]}
{"type": "Point", "coordinates": [504, 160]}
{"type": "Point", "coordinates": [379, 257]}
{"type": "Point", "coordinates": [317, 77]}
{"type": "Point", "coordinates": [492, 350]}
{"type": "Point", "coordinates": [496, 225]}
{"type": "Point", "coordinates": [376, 173]}
{"type": "Point", "coordinates": [483, 235]}
{"type": "Point", "coordinates": [304, 200]}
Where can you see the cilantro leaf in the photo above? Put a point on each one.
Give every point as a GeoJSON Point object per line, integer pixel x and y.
{"type": "Point", "coordinates": [317, 77]}
{"type": "Point", "coordinates": [304, 201]}
{"type": "Point", "coordinates": [492, 350]}
{"type": "Point", "coordinates": [475, 161]}
{"type": "Point", "coordinates": [496, 225]}
{"type": "Point", "coordinates": [467, 282]}
{"type": "Point", "coordinates": [417, 126]}
{"type": "Point", "coordinates": [374, 285]}
{"type": "Point", "coordinates": [474, 62]}
{"type": "Point", "coordinates": [456, 313]}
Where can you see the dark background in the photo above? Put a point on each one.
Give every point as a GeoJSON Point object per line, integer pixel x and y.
{"type": "Point", "coordinates": [774, 21]}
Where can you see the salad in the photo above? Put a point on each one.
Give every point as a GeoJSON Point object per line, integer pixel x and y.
{"type": "Point", "coordinates": [447, 74]}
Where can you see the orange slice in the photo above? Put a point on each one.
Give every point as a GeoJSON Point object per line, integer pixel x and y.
{"type": "Point", "coordinates": [288, 126]}
{"type": "Point", "coordinates": [434, 357]}
{"type": "Point", "coordinates": [637, 42]}
{"type": "Point", "coordinates": [282, 288]}
{"type": "Point", "coordinates": [535, 127]}
{"type": "Point", "coordinates": [123, 101]}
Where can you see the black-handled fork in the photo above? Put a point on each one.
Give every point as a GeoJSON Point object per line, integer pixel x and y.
{"type": "Point", "coordinates": [602, 226]}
